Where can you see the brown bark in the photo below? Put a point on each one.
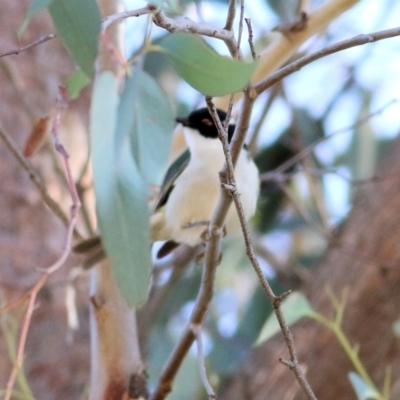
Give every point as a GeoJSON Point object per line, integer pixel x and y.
{"type": "Point", "coordinates": [56, 360]}
{"type": "Point", "coordinates": [363, 257]}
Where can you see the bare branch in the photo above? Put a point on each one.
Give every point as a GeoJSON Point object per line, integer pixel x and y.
{"type": "Point", "coordinates": [30, 45]}
{"type": "Point", "coordinates": [74, 196]}
{"type": "Point", "coordinates": [188, 25]}
{"type": "Point", "coordinates": [230, 18]}
{"type": "Point", "coordinates": [250, 30]}
{"type": "Point", "coordinates": [48, 200]}
{"type": "Point", "coordinates": [239, 40]}
{"type": "Point", "coordinates": [303, 61]}
{"type": "Point", "coordinates": [274, 300]}
{"type": "Point", "coordinates": [24, 333]}
{"type": "Point", "coordinates": [202, 366]}
{"type": "Point", "coordinates": [304, 214]}
{"type": "Point", "coordinates": [111, 19]}
{"type": "Point", "coordinates": [212, 257]}
{"type": "Point", "coordinates": [67, 249]}
{"type": "Point", "coordinates": [307, 150]}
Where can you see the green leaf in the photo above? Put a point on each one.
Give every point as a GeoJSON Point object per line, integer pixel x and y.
{"type": "Point", "coordinates": [78, 24]}
{"type": "Point", "coordinates": [146, 115]}
{"type": "Point", "coordinates": [363, 391]}
{"type": "Point", "coordinates": [121, 195]}
{"type": "Point", "coordinates": [203, 68]}
{"type": "Point", "coordinates": [295, 307]}
{"type": "Point", "coordinates": [35, 7]}
{"type": "Point", "coordinates": [76, 82]}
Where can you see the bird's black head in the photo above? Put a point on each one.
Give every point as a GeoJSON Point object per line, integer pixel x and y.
{"type": "Point", "coordinates": [202, 121]}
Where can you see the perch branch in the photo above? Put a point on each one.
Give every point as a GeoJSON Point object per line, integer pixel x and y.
{"type": "Point", "coordinates": [48, 200]}
{"type": "Point", "coordinates": [303, 61]}
{"type": "Point", "coordinates": [212, 255]}
{"type": "Point", "coordinates": [60, 261]}
{"type": "Point", "coordinates": [202, 366]}
{"type": "Point", "coordinates": [274, 300]}
{"type": "Point", "coordinates": [30, 45]}
{"type": "Point", "coordinates": [111, 19]}
{"type": "Point", "coordinates": [188, 25]}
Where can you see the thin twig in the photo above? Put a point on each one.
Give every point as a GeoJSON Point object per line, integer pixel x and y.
{"type": "Point", "coordinates": [212, 256]}
{"type": "Point", "coordinates": [24, 333]}
{"type": "Point", "coordinates": [202, 366]}
{"type": "Point", "coordinates": [275, 300]}
{"type": "Point", "coordinates": [111, 19]}
{"type": "Point", "coordinates": [264, 112]}
{"type": "Point", "coordinates": [230, 18]}
{"type": "Point", "coordinates": [71, 186]}
{"type": "Point", "coordinates": [282, 177]}
{"type": "Point", "coordinates": [303, 213]}
{"type": "Point", "coordinates": [188, 25]}
{"type": "Point", "coordinates": [239, 39]}
{"type": "Point", "coordinates": [303, 153]}
{"type": "Point", "coordinates": [60, 261]}
{"type": "Point", "coordinates": [251, 44]}
{"type": "Point", "coordinates": [30, 45]}
{"type": "Point", "coordinates": [48, 200]}
{"type": "Point", "coordinates": [303, 61]}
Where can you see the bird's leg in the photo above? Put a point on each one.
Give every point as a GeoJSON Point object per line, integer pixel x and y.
{"type": "Point", "coordinates": [199, 257]}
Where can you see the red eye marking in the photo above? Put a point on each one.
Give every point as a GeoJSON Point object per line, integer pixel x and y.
{"type": "Point", "coordinates": [207, 121]}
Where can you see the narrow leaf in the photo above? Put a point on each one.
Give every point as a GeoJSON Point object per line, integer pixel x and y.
{"type": "Point", "coordinates": [295, 307]}
{"type": "Point", "coordinates": [121, 196]}
{"type": "Point", "coordinates": [363, 391]}
{"type": "Point", "coordinates": [37, 137]}
{"type": "Point", "coordinates": [78, 24]}
{"type": "Point", "coordinates": [146, 115]}
{"type": "Point", "coordinates": [35, 7]}
{"type": "Point", "coordinates": [203, 68]}
{"type": "Point", "coordinates": [76, 82]}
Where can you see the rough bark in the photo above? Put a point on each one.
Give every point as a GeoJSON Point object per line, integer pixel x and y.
{"type": "Point", "coordinates": [117, 370]}
{"type": "Point", "coordinates": [56, 360]}
{"type": "Point", "coordinates": [363, 257]}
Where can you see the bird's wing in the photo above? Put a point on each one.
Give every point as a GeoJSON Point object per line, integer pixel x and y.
{"type": "Point", "coordinates": [174, 170]}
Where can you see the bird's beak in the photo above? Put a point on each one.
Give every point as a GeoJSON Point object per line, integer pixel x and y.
{"type": "Point", "coordinates": [183, 121]}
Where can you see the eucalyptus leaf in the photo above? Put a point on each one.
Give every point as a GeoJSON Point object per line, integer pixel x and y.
{"type": "Point", "coordinates": [78, 25]}
{"type": "Point", "coordinates": [121, 195]}
{"type": "Point", "coordinates": [362, 389]}
{"type": "Point", "coordinates": [76, 82]}
{"type": "Point", "coordinates": [203, 68]}
{"type": "Point", "coordinates": [35, 7]}
{"type": "Point", "coordinates": [146, 115]}
{"type": "Point", "coordinates": [295, 307]}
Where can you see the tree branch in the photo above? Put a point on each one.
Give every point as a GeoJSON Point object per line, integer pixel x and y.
{"type": "Point", "coordinates": [303, 61]}
{"type": "Point", "coordinates": [188, 25]}
{"type": "Point", "coordinates": [111, 19]}
{"type": "Point", "coordinates": [274, 300]}
{"type": "Point", "coordinates": [48, 200]}
{"type": "Point", "coordinates": [55, 266]}
{"type": "Point", "coordinates": [30, 45]}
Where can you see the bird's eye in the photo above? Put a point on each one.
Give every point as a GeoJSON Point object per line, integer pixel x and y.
{"type": "Point", "coordinates": [207, 121]}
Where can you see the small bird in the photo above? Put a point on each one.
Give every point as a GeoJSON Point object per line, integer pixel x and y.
{"type": "Point", "coordinates": [191, 187]}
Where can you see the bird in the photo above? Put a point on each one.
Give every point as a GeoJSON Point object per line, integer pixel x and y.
{"type": "Point", "coordinates": [191, 187]}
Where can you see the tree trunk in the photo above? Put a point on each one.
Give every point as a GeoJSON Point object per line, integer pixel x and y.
{"type": "Point", "coordinates": [362, 257]}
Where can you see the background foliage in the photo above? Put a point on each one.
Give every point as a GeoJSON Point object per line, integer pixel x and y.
{"type": "Point", "coordinates": [347, 102]}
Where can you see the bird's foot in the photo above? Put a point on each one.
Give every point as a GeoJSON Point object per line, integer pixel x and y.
{"type": "Point", "coordinates": [199, 257]}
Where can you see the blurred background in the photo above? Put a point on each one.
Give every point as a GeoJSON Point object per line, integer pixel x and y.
{"type": "Point", "coordinates": [328, 219]}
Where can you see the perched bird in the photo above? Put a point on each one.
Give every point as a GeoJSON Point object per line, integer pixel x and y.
{"type": "Point", "coordinates": [191, 186]}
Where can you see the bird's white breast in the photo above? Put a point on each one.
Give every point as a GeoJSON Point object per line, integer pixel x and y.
{"type": "Point", "coordinates": [197, 190]}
